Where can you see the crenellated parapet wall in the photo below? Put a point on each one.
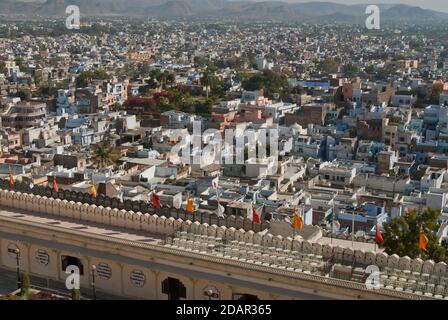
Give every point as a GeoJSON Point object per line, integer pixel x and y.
{"type": "Point", "coordinates": [159, 224]}
{"type": "Point", "coordinates": [134, 205]}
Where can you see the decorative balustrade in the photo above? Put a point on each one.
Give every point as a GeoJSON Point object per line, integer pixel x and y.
{"type": "Point", "coordinates": [429, 285]}
{"type": "Point", "coordinates": [256, 247]}
{"type": "Point", "coordinates": [258, 267]}
{"type": "Point", "coordinates": [401, 280]}
{"type": "Point", "coordinates": [248, 252]}
{"type": "Point", "coordinates": [201, 216]}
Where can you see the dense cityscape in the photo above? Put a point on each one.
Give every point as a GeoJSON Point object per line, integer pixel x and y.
{"type": "Point", "coordinates": [168, 159]}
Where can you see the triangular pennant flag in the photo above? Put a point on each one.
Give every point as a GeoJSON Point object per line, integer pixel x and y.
{"type": "Point", "coordinates": [423, 241]}
{"type": "Point", "coordinates": [177, 202]}
{"type": "Point", "coordinates": [335, 226]}
{"type": "Point", "coordinates": [190, 207]}
{"type": "Point", "coordinates": [220, 211]}
{"type": "Point", "coordinates": [11, 179]}
{"type": "Point", "coordinates": [298, 222]}
{"type": "Point", "coordinates": [155, 200]}
{"type": "Point", "coordinates": [254, 216]}
{"type": "Point", "coordinates": [93, 191]}
{"type": "Point", "coordinates": [378, 236]}
{"type": "Point", "coordinates": [215, 183]}
{"type": "Point", "coordinates": [55, 185]}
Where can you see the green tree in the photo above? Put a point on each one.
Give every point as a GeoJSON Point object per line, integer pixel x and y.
{"type": "Point", "coordinates": [369, 69]}
{"type": "Point", "coordinates": [271, 82]}
{"type": "Point", "coordinates": [117, 107]}
{"type": "Point", "coordinates": [389, 70]}
{"type": "Point", "coordinates": [350, 70]}
{"type": "Point", "coordinates": [84, 78]}
{"type": "Point", "coordinates": [176, 98]}
{"type": "Point", "coordinates": [24, 284]}
{"type": "Point", "coordinates": [402, 234]}
{"type": "Point", "coordinates": [120, 126]}
{"type": "Point", "coordinates": [435, 94]}
{"type": "Point", "coordinates": [164, 103]}
{"type": "Point", "coordinates": [209, 79]}
{"type": "Point", "coordinates": [444, 244]}
{"type": "Point", "coordinates": [205, 108]}
{"type": "Point", "coordinates": [19, 63]}
{"type": "Point", "coordinates": [329, 65]}
{"type": "Point", "coordinates": [104, 154]}
{"type": "Point", "coordinates": [2, 67]}
{"type": "Point", "coordinates": [160, 79]}
{"type": "Point", "coordinates": [76, 294]}
{"type": "Point", "coordinates": [20, 94]}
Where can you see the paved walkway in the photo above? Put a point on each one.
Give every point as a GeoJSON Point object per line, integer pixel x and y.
{"type": "Point", "coordinates": [348, 244]}
{"type": "Point", "coordinates": [85, 226]}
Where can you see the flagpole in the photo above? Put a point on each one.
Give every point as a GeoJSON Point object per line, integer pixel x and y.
{"type": "Point", "coordinates": [419, 236]}
{"type": "Point", "coordinates": [193, 212]}
{"type": "Point", "coordinates": [252, 215]}
{"type": "Point", "coordinates": [293, 226]}
{"type": "Point", "coordinates": [332, 224]}
{"type": "Point", "coordinates": [376, 232]}
{"type": "Point", "coordinates": [353, 228]}
{"type": "Point", "coordinates": [217, 196]}
{"type": "Point", "coordinates": [252, 211]}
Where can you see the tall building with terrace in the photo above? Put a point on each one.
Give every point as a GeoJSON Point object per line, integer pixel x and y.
{"type": "Point", "coordinates": [24, 115]}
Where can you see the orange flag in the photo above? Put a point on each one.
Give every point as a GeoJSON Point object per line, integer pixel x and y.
{"type": "Point", "coordinates": [423, 241]}
{"type": "Point", "coordinates": [11, 180]}
{"type": "Point", "coordinates": [55, 185]}
{"type": "Point", "coordinates": [93, 191]}
{"type": "Point", "coordinates": [190, 207]}
{"type": "Point", "coordinates": [298, 222]}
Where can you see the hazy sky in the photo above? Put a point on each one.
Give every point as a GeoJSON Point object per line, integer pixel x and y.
{"type": "Point", "coordinates": [441, 5]}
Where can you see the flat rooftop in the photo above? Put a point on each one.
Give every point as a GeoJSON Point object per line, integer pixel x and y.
{"type": "Point", "coordinates": [348, 244]}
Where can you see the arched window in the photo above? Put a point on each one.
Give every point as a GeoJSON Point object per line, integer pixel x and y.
{"type": "Point", "coordinates": [72, 261]}
{"type": "Point", "coordinates": [174, 288]}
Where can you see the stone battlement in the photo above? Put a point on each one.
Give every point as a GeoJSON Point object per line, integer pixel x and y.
{"type": "Point", "coordinates": [164, 226]}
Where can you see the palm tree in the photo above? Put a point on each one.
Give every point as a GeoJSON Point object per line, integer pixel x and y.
{"type": "Point", "coordinates": [104, 154]}
{"type": "Point", "coordinates": [208, 78]}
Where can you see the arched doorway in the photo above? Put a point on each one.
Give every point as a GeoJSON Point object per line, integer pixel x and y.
{"type": "Point", "coordinates": [72, 261]}
{"type": "Point", "coordinates": [174, 288]}
{"type": "Point", "coordinates": [244, 296]}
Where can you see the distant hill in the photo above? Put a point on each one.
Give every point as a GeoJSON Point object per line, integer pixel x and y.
{"type": "Point", "coordinates": [222, 9]}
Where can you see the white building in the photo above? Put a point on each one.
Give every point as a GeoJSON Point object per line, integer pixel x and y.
{"type": "Point", "coordinates": [403, 100]}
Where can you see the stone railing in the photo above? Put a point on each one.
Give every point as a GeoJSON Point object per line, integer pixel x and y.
{"type": "Point", "coordinates": [258, 269]}
{"type": "Point", "coordinates": [202, 216]}
{"type": "Point", "coordinates": [167, 226]}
